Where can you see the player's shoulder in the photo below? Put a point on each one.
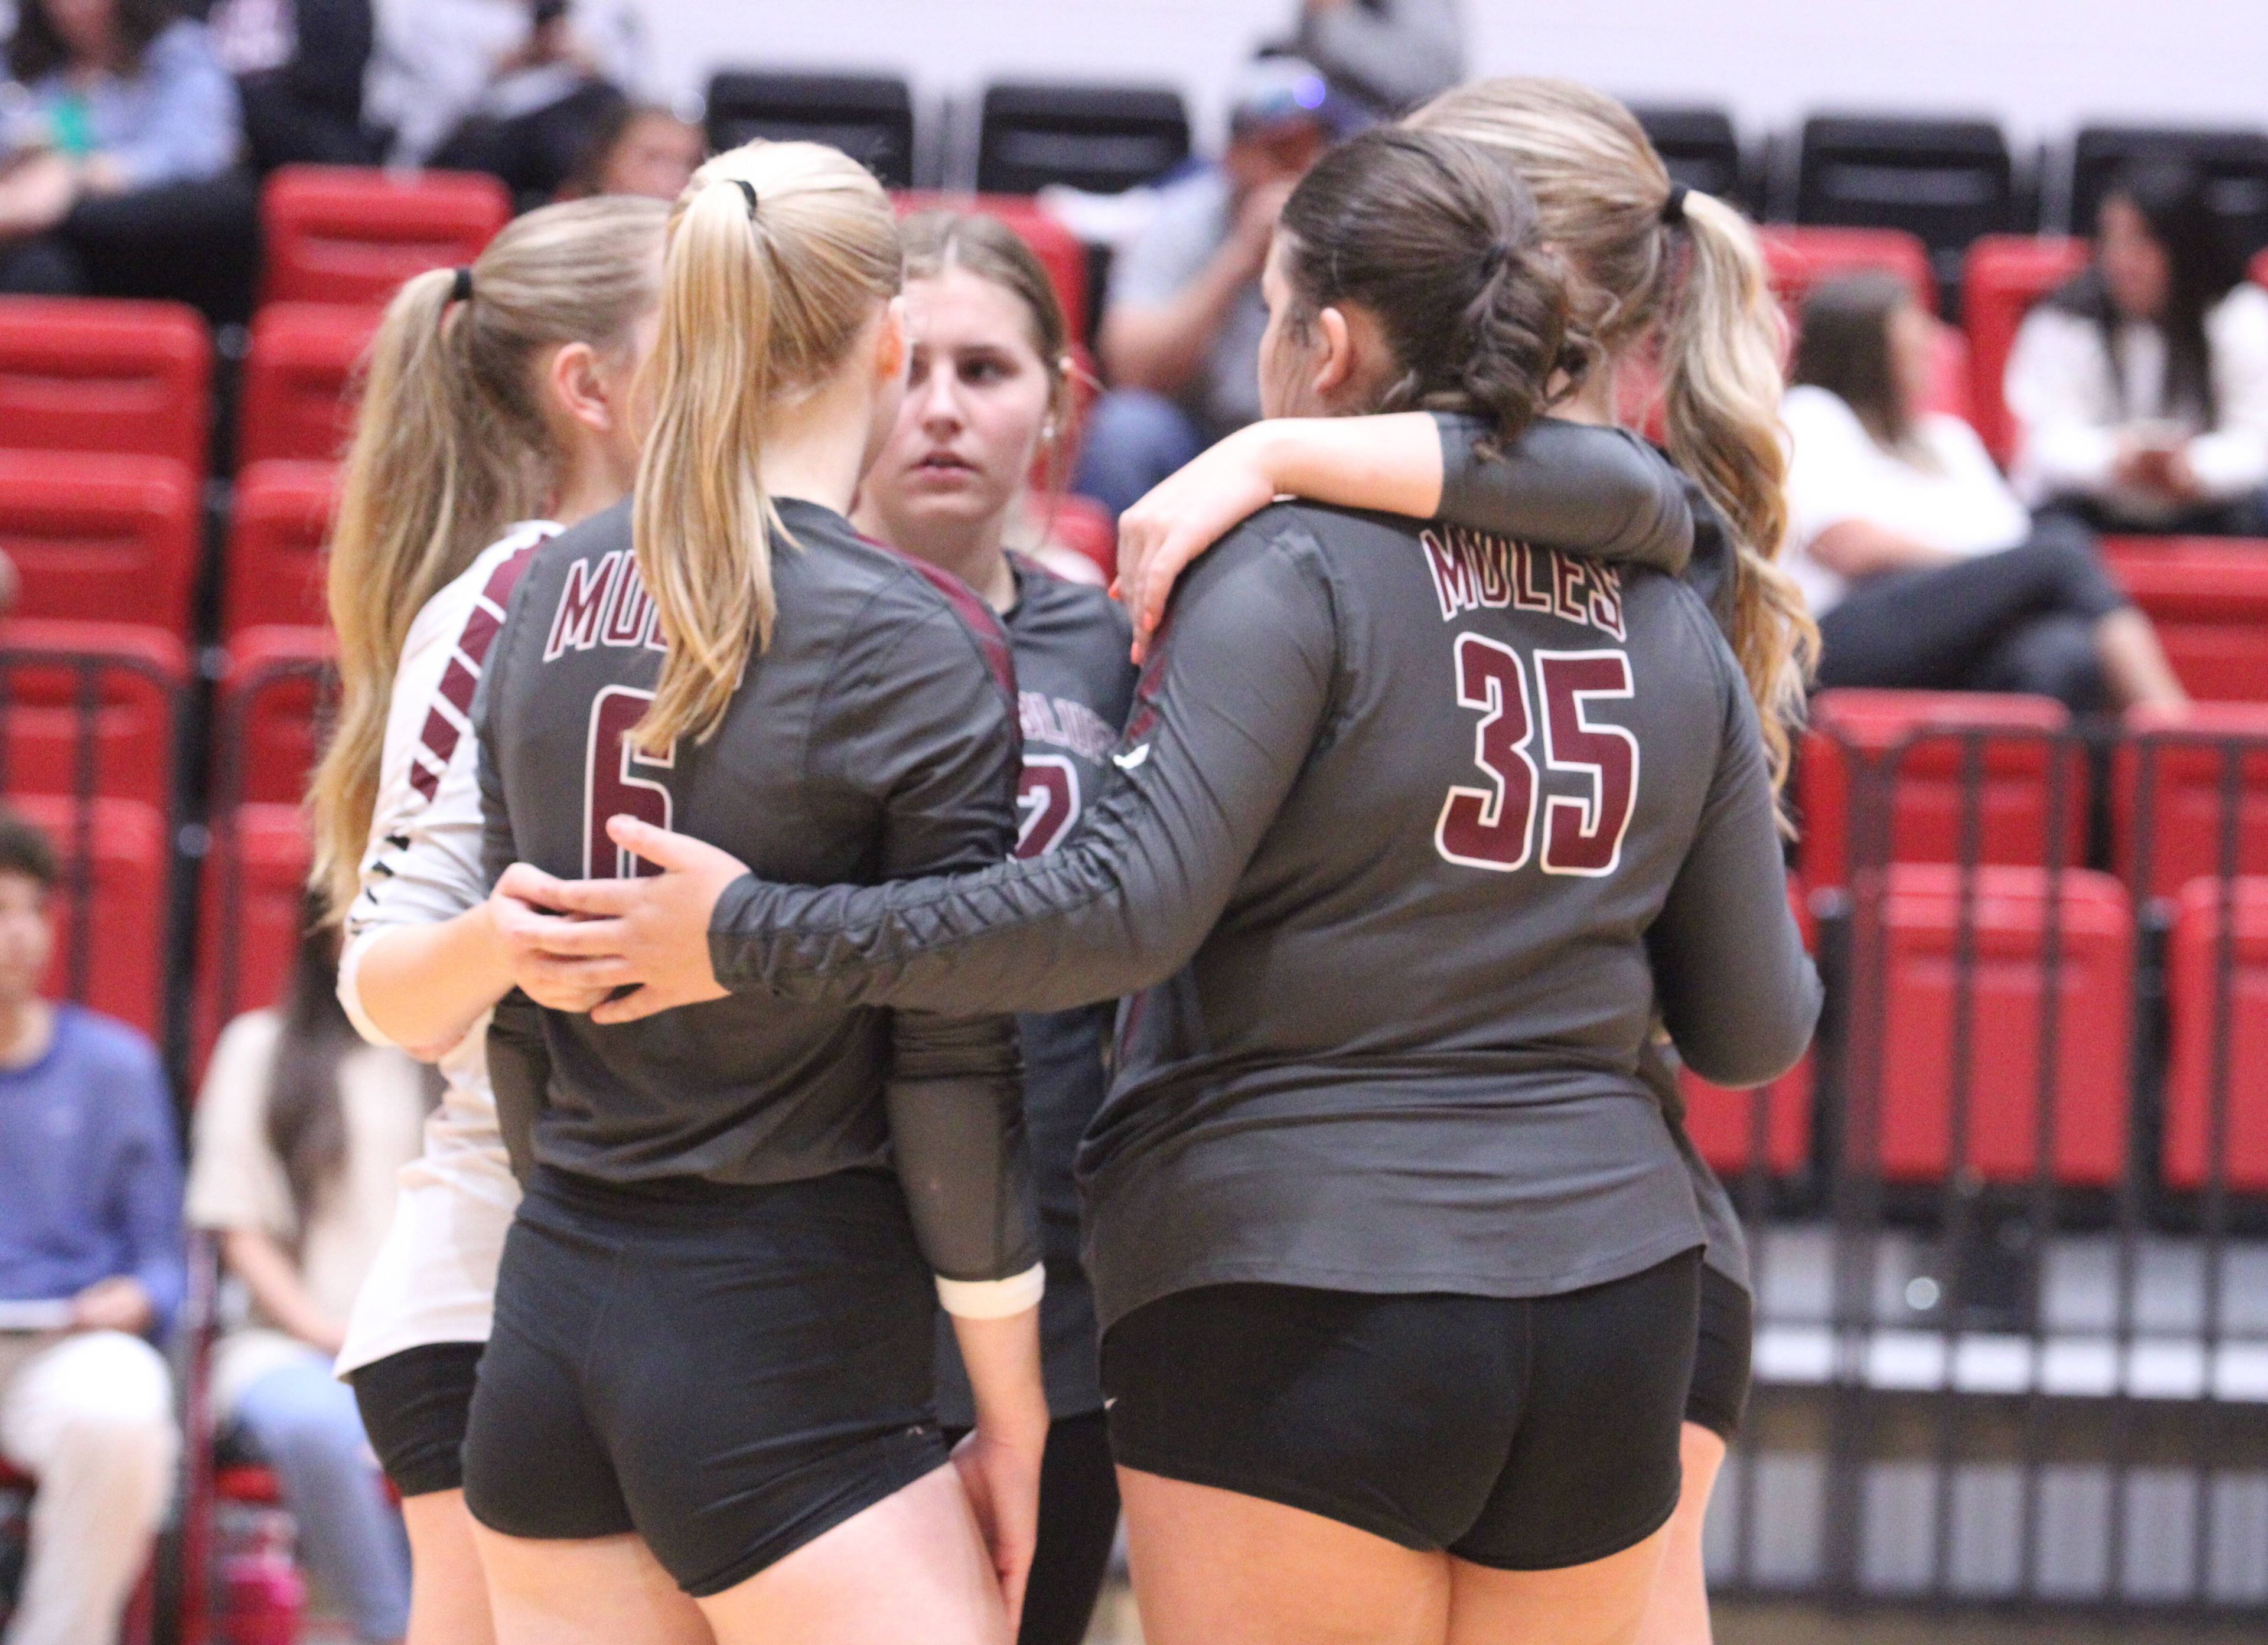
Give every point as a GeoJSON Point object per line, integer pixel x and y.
{"type": "Point", "coordinates": [1048, 605]}
{"type": "Point", "coordinates": [896, 602]}
{"type": "Point", "coordinates": [487, 584]}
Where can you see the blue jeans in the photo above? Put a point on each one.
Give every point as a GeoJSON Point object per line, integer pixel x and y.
{"type": "Point", "coordinates": [303, 1422]}
{"type": "Point", "coordinates": [1134, 439]}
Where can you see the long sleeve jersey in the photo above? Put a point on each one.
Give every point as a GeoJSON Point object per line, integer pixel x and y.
{"type": "Point", "coordinates": [1413, 829]}
{"type": "Point", "coordinates": [875, 737]}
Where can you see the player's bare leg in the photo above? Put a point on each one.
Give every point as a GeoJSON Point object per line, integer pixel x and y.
{"type": "Point", "coordinates": [1599, 1604]}
{"type": "Point", "coordinates": [1677, 1613]}
{"type": "Point", "coordinates": [910, 1570]}
{"type": "Point", "coordinates": [1218, 1567]}
{"type": "Point", "coordinates": [605, 1590]}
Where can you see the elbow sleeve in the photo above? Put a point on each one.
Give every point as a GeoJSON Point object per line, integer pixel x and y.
{"type": "Point", "coordinates": [965, 1167]}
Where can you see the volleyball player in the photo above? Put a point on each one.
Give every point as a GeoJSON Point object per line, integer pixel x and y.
{"type": "Point", "coordinates": [495, 412]}
{"type": "Point", "coordinates": [1412, 829]}
{"type": "Point", "coordinates": [1673, 283]}
{"type": "Point", "coordinates": [988, 400]}
{"type": "Point", "coordinates": [714, 1319]}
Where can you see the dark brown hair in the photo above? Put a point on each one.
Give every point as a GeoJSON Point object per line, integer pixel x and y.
{"type": "Point", "coordinates": [35, 48]}
{"type": "Point", "coordinates": [989, 249]}
{"type": "Point", "coordinates": [25, 849]}
{"type": "Point", "coordinates": [1446, 250]}
{"type": "Point", "coordinates": [1844, 349]}
{"type": "Point", "coordinates": [2173, 197]}
{"type": "Point", "coordinates": [307, 1124]}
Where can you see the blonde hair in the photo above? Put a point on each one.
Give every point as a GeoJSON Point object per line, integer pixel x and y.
{"type": "Point", "coordinates": [1709, 314]}
{"type": "Point", "coordinates": [779, 255]}
{"type": "Point", "coordinates": [450, 446]}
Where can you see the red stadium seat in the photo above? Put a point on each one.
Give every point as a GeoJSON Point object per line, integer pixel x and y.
{"type": "Point", "coordinates": [299, 380]}
{"type": "Point", "coordinates": [277, 533]}
{"type": "Point", "coordinates": [1083, 526]}
{"type": "Point", "coordinates": [101, 538]}
{"type": "Point", "coordinates": [347, 234]}
{"type": "Point", "coordinates": [2004, 275]}
{"type": "Point", "coordinates": [1723, 1124]}
{"type": "Point", "coordinates": [266, 716]}
{"type": "Point", "coordinates": [2182, 756]}
{"type": "Point", "coordinates": [249, 927]}
{"type": "Point", "coordinates": [2000, 1141]}
{"type": "Point", "coordinates": [110, 955]}
{"type": "Point", "coordinates": [51, 673]}
{"type": "Point", "coordinates": [80, 374]}
{"type": "Point", "coordinates": [1927, 808]}
{"type": "Point", "coordinates": [2208, 597]}
{"type": "Point", "coordinates": [1057, 247]}
{"type": "Point", "coordinates": [1799, 257]}
{"type": "Point", "coordinates": [2194, 1005]}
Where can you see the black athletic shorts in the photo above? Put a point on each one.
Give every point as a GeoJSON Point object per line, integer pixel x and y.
{"type": "Point", "coordinates": [728, 1372]}
{"type": "Point", "coordinates": [413, 1404]}
{"type": "Point", "coordinates": [1719, 1396]}
{"type": "Point", "coordinates": [1526, 1435]}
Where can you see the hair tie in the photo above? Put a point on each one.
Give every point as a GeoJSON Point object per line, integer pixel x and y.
{"type": "Point", "coordinates": [1498, 253]}
{"type": "Point", "coordinates": [460, 285]}
{"type": "Point", "coordinates": [749, 190]}
{"type": "Point", "coordinates": [1673, 209]}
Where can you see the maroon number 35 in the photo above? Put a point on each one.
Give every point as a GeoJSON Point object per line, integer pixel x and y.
{"type": "Point", "coordinates": [1494, 827]}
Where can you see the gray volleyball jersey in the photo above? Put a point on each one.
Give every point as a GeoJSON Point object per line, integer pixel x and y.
{"type": "Point", "coordinates": [1414, 829]}
{"type": "Point", "coordinates": [875, 738]}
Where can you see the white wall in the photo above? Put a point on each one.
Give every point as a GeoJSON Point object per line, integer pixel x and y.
{"type": "Point", "coordinates": [2040, 66]}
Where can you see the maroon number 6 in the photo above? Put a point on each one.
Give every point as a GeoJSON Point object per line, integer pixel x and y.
{"type": "Point", "coordinates": [611, 787]}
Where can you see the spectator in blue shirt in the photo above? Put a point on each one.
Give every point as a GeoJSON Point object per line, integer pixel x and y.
{"type": "Point", "coordinates": [91, 1267]}
{"type": "Point", "coordinates": [123, 105]}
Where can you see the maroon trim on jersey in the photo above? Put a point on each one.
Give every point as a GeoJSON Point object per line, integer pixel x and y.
{"type": "Point", "coordinates": [438, 740]}
{"type": "Point", "coordinates": [981, 620]}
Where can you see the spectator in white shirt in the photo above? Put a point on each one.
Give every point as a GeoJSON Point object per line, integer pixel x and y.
{"type": "Point", "coordinates": [1923, 569]}
{"type": "Point", "coordinates": [2141, 389]}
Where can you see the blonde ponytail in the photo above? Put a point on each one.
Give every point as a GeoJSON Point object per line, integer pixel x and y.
{"type": "Point", "coordinates": [450, 446]}
{"type": "Point", "coordinates": [1719, 350]}
{"type": "Point", "coordinates": [779, 254]}
{"type": "Point", "coordinates": [1691, 291]}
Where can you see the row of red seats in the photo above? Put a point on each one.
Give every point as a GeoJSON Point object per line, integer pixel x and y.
{"type": "Point", "coordinates": [2167, 785]}
{"type": "Point", "coordinates": [1939, 1111]}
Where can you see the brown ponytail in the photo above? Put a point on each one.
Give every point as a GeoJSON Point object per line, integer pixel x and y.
{"type": "Point", "coordinates": [1446, 251]}
{"type": "Point", "coordinates": [1693, 292]}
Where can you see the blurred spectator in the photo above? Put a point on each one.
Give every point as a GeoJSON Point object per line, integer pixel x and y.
{"type": "Point", "coordinates": [89, 1268]}
{"type": "Point", "coordinates": [1389, 55]}
{"type": "Point", "coordinates": [639, 149]}
{"type": "Point", "coordinates": [127, 114]}
{"type": "Point", "coordinates": [301, 1129]}
{"type": "Point", "coordinates": [1180, 330]}
{"type": "Point", "coordinates": [512, 87]}
{"type": "Point", "coordinates": [1923, 568]}
{"type": "Point", "coordinates": [2141, 388]}
{"type": "Point", "coordinates": [298, 66]}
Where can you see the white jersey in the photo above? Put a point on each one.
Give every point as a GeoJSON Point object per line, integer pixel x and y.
{"type": "Point", "coordinates": [434, 1280]}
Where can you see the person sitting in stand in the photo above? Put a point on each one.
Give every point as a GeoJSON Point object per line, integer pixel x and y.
{"type": "Point", "coordinates": [127, 107]}
{"type": "Point", "coordinates": [1923, 568]}
{"type": "Point", "coordinates": [1180, 328]}
{"type": "Point", "coordinates": [300, 1131]}
{"type": "Point", "coordinates": [2141, 389]}
{"type": "Point", "coordinates": [90, 1269]}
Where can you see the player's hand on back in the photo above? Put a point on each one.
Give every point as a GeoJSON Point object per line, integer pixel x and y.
{"type": "Point", "coordinates": [626, 949]}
